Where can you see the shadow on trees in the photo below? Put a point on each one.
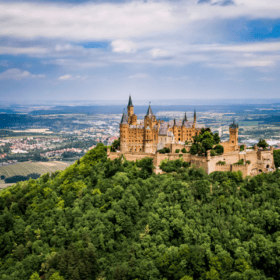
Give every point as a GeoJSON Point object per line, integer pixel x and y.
{"type": "Point", "coordinates": [19, 178]}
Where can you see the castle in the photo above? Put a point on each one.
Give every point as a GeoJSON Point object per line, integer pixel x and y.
{"type": "Point", "coordinates": [142, 138]}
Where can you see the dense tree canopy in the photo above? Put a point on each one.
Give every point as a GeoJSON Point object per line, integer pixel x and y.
{"type": "Point", "coordinates": [103, 219]}
{"type": "Point", "coordinates": [262, 144]}
{"type": "Point", "coordinates": [205, 141]}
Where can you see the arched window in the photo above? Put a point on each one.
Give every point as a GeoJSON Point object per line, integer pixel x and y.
{"type": "Point", "coordinates": [267, 166]}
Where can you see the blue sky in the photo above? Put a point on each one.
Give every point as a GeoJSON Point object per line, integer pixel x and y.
{"type": "Point", "coordinates": [102, 50]}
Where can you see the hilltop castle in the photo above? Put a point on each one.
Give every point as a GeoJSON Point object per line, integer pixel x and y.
{"type": "Point", "coordinates": [150, 134]}
{"type": "Point", "coordinates": [142, 138]}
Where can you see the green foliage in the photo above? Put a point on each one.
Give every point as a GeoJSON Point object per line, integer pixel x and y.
{"type": "Point", "coordinates": [164, 150]}
{"type": "Point", "coordinates": [35, 276]}
{"type": "Point", "coordinates": [56, 276]}
{"type": "Point", "coordinates": [248, 162]}
{"type": "Point", "coordinates": [184, 151]}
{"type": "Point", "coordinates": [169, 166]}
{"type": "Point", "coordinates": [116, 219]}
{"type": "Point", "coordinates": [177, 151]}
{"type": "Point", "coordinates": [212, 153]}
{"type": "Point", "coordinates": [241, 148]}
{"type": "Point", "coordinates": [219, 149]}
{"type": "Point", "coordinates": [240, 162]}
{"type": "Point", "coordinates": [205, 141]}
{"type": "Point", "coordinates": [116, 145]}
{"type": "Point", "coordinates": [276, 155]}
{"type": "Point", "coordinates": [221, 162]}
{"type": "Point", "coordinates": [262, 144]}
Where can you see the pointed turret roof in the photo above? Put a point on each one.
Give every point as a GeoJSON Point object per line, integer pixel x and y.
{"type": "Point", "coordinates": [185, 118]}
{"type": "Point", "coordinates": [194, 113]}
{"type": "Point", "coordinates": [124, 118]}
{"type": "Point", "coordinates": [149, 112]}
{"type": "Point", "coordinates": [130, 101]}
{"type": "Point", "coordinates": [234, 124]}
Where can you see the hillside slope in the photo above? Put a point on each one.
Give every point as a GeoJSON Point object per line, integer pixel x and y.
{"type": "Point", "coordinates": [102, 219]}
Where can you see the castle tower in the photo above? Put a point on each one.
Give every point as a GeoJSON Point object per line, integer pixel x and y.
{"type": "Point", "coordinates": [233, 134]}
{"type": "Point", "coordinates": [194, 118]}
{"type": "Point", "coordinates": [185, 120]}
{"type": "Point", "coordinates": [124, 126]}
{"type": "Point", "coordinates": [130, 108]}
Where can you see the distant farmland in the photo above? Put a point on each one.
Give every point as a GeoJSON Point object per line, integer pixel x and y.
{"type": "Point", "coordinates": [22, 171]}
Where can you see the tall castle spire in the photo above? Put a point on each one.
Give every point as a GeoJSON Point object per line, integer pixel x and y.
{"type": "Point", "coordinates": [194, 116]}
{"type": "Point", "coordinates": [130, 101]}
{"type": "Point", "coordinates": [130, 108]}
{"type": "Point", "coordinates": [149, 112]}
{"type": "Point", "coordinates": [185, 118]}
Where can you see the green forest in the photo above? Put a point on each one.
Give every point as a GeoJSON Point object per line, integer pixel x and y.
{"type": "Point", "coordinates": [103, 219]}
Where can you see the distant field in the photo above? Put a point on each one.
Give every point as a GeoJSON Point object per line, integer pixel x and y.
{"type": "Point", "coordinates": [248, 123]}
{"type": "Point", "coordinates": [30, 169]}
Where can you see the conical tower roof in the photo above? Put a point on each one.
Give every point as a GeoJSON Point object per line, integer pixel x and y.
{"type": "Point", "coordinates": [124, 118]}
{"type": "Point", "coordinates": [149, 112]}
{"type": "Point", "coordinates": [130, 101]}
{"type": "Point", "coordinates": [185, 118]}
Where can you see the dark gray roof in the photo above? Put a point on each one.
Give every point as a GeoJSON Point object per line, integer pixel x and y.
{"type": "Point", "coordinates": [149, 112]}
{"type": "Point", "coordinates": [124, 119]}
{"type": "Point", "coordinates": [130, 101]}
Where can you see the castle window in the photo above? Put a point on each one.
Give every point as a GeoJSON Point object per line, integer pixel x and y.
{"type": "Point", "coordinates": [179, 139]}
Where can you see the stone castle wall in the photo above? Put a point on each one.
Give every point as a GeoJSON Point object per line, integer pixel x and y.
{"type": "Point", "coordinates": [226, 167]}
{"type": "Point", "coordinates": [260, 161]}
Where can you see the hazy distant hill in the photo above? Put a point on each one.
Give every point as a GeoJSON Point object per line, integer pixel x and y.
{"type": "Point", "coordinates": [118, 109]}
{"type": "Point", "coordinates": [6, 111]}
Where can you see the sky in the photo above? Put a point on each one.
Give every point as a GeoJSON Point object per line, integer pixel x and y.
{"type": "Point", "coordinates": [106, 50]}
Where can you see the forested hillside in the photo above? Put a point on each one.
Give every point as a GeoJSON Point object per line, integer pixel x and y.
{"type": "Point", "coordinates": [102, 219]}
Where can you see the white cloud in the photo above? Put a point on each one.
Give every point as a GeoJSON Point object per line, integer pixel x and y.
{"type": "Point", "coordinates": [90, 21]}
{"type": "Point", "coordinates": [121, 46]}
{"type": "Point", "coordinates": [17, 74]}
{"type": "Point", "coordinates": [70, 77]}
{"type": "Point", "coordinates": [139, 76]}
{"type": "Point", "coordinates": [159, 53]}
{"type": "Point", "coordinates": [122, 21]}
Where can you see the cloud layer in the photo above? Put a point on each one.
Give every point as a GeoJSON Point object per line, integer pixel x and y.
{"type": "Point", "coordinates": [17, 74]}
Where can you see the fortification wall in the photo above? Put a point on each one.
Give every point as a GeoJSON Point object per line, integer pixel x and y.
{"type": "Point", "coordinates": [199, 162]}
{"type": "Point", "coordinates": [133, 156]}
{"type": "Point", "coordinates": [245, 169]}
{"type": "Point", "coordinates": [174, 147]}
{"type": "Point", "coordinates": [171, 156]}
{"type": "Point", "coordinates": [219, 167]}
